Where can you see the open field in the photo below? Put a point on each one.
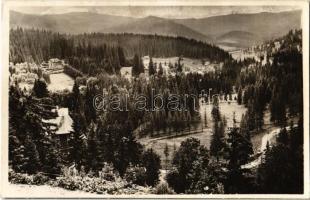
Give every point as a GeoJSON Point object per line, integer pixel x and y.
{"type": "Point", "coordinates": [60, 82]}
{"type": "Point", "coordinates": [227, 109]}
{"type": "Point", "coordinates": [204, 135]}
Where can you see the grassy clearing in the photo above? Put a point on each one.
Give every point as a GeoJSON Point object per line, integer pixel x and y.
{"type": "Point", "coordinates": [60, 82]}
{"type": "Point", "coordinates": [227, 109]}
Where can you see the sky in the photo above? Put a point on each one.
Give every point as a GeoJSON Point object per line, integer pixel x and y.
{"type": "Point", "coordinates": [159, 11]}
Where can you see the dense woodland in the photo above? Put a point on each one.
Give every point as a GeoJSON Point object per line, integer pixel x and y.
{"type": "Point", "coordinates": [102, 139]}
{"type": "Point", "coordinates": [96, 52]}
{"type": "Point", "coordinates": [272, 85]}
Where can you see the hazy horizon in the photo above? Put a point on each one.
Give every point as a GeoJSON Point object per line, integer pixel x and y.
{"type": "Point", "coordinates": [180, 12]}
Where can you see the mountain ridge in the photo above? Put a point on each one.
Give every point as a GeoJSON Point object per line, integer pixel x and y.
{"type": "Point", "coordinates": [210, 29]}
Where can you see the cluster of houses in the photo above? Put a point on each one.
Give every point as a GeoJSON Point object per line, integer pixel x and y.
{"type": "Point", "coordinates": [168, 65]}
{"type": "Point", "coordinates": [23, 72]}
{"type": "Point", "coordinates": [259, 52]}
{"type": "Point", "coordinates": [26, 73]}
{"type": "Point", "coordinates": [53, 66]}
{"type": "Point", "coordinates": [205, 68]}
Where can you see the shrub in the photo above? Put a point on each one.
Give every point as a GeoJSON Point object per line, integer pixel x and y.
{"type": "Point", "coordinates": [19, 178]}
{"type": "Point", "coordinates": [175, 181]}
{"type": "Point", "coordinates": [68, 183]}
{"type": "Point", "coordinates": [108, 173]}
{"type": "Point", "coordinates": [40, 179]}
{"type": "Point", "coordinates": [90, 184]}
{"type": "Point", "coordinates": [163, 188]}
{"type": "Point", "coordinates": [135, 175]}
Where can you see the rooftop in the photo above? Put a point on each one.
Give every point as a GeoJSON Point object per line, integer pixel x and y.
{"type": "Point", "coordinates": [63, 121]}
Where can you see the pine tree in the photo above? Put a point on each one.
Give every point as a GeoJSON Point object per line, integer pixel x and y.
{"type": "Point", "coordinates": [17, 159]}
{"type": "Point", "coordinates": [32, 133]}
{"type": "Point", "coordinates": [160, 70]}
{"type": "Point", "coordinates": [239, 152]}
{"type": "Point", "coordinates": [166, 153]}
{"type": "Point", "coordinates": [52, 161]}
{"type": "Point", "coordinates": [151, 161]}
{"type": "Point", "coordinates": [32, 160]}
{"type": "Point", "coordinates": [77, 147]}
{"type": "Point", "coordinates": [205, 119]}
{"type": "Point", "coordinates": [121, 55]}
{"type": "Point", "coordinates": [40, 88]}
{"type": "Point", "coordinates": [277, 108]}
{"type": "Point", "coordinates": [216, 110]}
{"type": "Point", "coordinates": [75, 97]}
{"type": "Point", "coordinates": [244, 127]}
{"type": "Point", "coordinates": [92, 148]}
{"type": "Point", "coordinates": [179, 66]}
{"type": "Point", "coordinates": [239, 96]}
{"type": "Point", "coordinates": [217, 143]}
{"type": "Point", "coordinates": [189, 162]}
{"type": "Point", "coordinates": [152, 70]}
{"type": "Point", "coordinates": [137, 67]}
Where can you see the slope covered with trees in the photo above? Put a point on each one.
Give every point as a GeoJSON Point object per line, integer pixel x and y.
{"type": "Point", "coordinates": [96, 52]}
{"type": "Point", "coordinates": [278, 85]}
{"type": "Point", "coordinates": [104, 143]}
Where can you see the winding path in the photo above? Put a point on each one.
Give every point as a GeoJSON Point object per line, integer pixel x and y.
{"type": "Point", "coordinates": [266, 138]}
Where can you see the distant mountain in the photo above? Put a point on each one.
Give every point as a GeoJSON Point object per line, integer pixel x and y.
{"type": "Point", "coordinates": [265, 25]}
{"type": "Point", "coordinates": [73, 23]}
{"type": "Point", "coordinates": [238, 30]}
{"type": "Point", "coordinates": [241, 39]}
{"type": "Point", "coordinates": [76, 23]}
{"type": "Point", "coordinates": [160, 26]}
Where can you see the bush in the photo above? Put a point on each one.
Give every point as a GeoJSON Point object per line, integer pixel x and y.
{"type": "Point", "coordinates": [108, 173]}
{"type": "Point", "coordinates": [90, 184]}
{"type": "Point", "coordinates": [40, 179]}
{"type": "Point", "coordinates": [175, 181]}
{"type": "Point", "coordinates": [71, 71]}
{"type": "Point", "coordinates": [68, 183]}
{"type": "Point", "coordinates": [163, 188]}
{"type": "Point", "coordinates": [135, 175]}
{"type": "Point", "coordinates": [87, 183]}
{"type": "Point", "coordinates": [18, 178]}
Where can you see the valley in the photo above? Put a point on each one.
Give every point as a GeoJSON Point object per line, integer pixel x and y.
{"type": "Point", "coordinates": [112, 105]}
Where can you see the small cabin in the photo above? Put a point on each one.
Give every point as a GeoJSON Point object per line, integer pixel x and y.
{"type": "Point", "coordinates": [55, 63]}
{"type": "Point", "coordinates": [62, 125]}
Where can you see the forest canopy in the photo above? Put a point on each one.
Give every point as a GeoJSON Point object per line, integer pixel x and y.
{"type": "Point", "coordinates": [96, 52]}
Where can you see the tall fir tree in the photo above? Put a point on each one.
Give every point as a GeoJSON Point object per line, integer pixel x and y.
{"type": "Point", "coordinates": [151, 66]}
{"type": "Point", "coordinates": [40, 88]}
{"type": "Point", "coordinates": [137, 67]}
{"type": "Point", "coordinates": [151, 162]}
{"type": "Point", "coordinates": [160, 70]}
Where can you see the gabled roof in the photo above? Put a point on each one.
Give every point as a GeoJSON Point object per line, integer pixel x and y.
{"type": "Point", "coordinates": [63, 121]}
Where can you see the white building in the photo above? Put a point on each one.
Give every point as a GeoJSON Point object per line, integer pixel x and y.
{"type": "Point", "coordinates": [63, 122]}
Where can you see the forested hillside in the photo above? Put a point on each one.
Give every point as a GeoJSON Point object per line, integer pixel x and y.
{"type": "Point", "coordinates": [277, 84]}
{"type": "Point", "coordinates": [97, 52]}
{"type": "Point", "coordinates": [104, 146]}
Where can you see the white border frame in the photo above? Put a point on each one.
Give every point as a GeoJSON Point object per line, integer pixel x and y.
{"type": "Point", "coordinates": [304, 4]}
